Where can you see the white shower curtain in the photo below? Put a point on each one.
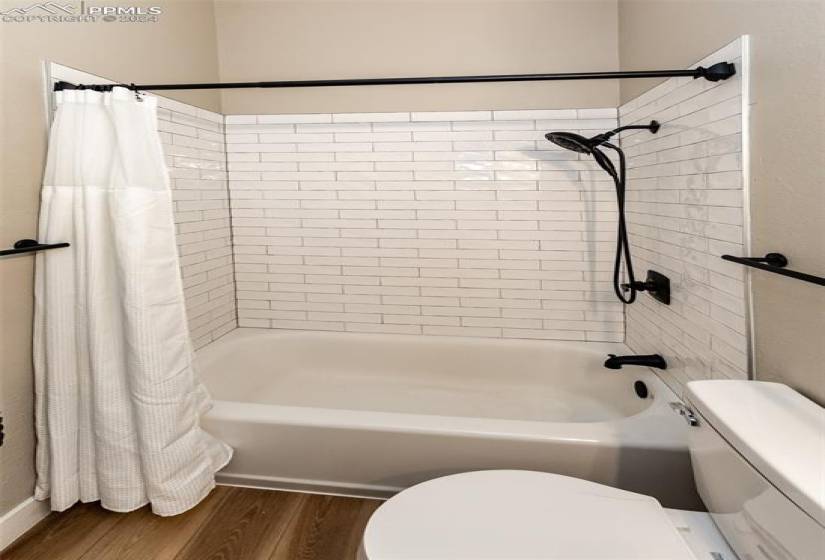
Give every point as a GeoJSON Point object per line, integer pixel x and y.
{"type": "Point", "coordinates": [117, 399]}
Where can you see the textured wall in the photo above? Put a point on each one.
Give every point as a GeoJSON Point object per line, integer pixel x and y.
{"type": "Point", "coordinates": [461, 223]}
{"type": "Point", "coordinates": [787, 119]}
{"type": "Point", "coordinates": [685, 209]}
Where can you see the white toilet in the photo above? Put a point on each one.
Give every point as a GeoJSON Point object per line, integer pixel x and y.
{"type": "Point", "coordinates": [758, 452]}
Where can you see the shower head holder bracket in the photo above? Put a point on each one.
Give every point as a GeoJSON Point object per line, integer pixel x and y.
{"type": "Point", "coordinates": [656, 284]}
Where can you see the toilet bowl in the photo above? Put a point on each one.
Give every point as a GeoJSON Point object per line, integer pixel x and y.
{"type": "Point", "coordinates": [520, 514]}
{"type": "Point", "coordinates": [758, 451]}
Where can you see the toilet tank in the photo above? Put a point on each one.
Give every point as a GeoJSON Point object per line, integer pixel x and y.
{"type": "Point", "coordinates": [758, 454]}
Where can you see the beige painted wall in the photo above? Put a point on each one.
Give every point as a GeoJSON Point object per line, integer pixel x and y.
{"type": "Point", "coordinates": [180, 47]}
{"type": "Point", "coordinates": [788, 120]}
{"type": "Point", "coordinates": [289, 40]}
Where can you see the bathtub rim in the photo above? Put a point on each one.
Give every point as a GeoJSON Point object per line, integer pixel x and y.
{"type": "Point", "coordinates": [629, 430]}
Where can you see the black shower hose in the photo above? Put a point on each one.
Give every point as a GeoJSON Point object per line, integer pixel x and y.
{"type": "Point", "coordinates": [622, 243]}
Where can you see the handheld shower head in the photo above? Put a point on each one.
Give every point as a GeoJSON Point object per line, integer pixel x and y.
{"type": "Point", "coordinates": [570, 141]}
{"type": "Point", "coordinates": [590, 146]}
{"type": "Point", "coordinates": [578, 143]}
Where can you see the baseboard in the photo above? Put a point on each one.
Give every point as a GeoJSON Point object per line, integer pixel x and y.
{"type": "Point", "coordinates": [308, 486]}
{"type": "Point", "coordinates": [23, 517]}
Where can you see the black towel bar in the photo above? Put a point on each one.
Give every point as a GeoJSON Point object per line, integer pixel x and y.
{"type": "Point", "coordinates": [776, 263]}
{"type": "Point", "coordinates": [30, 246]}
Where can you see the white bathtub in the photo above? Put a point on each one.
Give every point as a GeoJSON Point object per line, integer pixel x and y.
{"type": "Point", "coordinates": [369, 415]}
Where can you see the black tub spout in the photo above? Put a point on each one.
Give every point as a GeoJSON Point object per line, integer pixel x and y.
{"type": "Point", "coordinates": [649, 360]}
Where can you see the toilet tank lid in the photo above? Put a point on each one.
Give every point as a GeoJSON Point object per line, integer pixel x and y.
{"type": "Point", "coordinates": [777, 430]}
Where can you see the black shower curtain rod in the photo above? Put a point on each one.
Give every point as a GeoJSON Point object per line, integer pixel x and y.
{"type": "Point", "coordinates": [714, 73]}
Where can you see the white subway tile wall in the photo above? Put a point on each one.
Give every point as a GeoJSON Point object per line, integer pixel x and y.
{"type": "Point", "coordinates": [685, 209]}
{"type": "Point", "coordinates": [459, 223]}
{"type": "Point", "coordinates": [193, 143]}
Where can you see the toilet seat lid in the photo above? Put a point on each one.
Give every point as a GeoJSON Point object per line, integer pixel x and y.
{"type": "Point", "coordinates": [520, 515]}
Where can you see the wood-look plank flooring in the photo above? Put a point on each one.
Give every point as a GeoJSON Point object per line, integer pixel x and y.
{"type": "Point", "coordinates": [231, 524]}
